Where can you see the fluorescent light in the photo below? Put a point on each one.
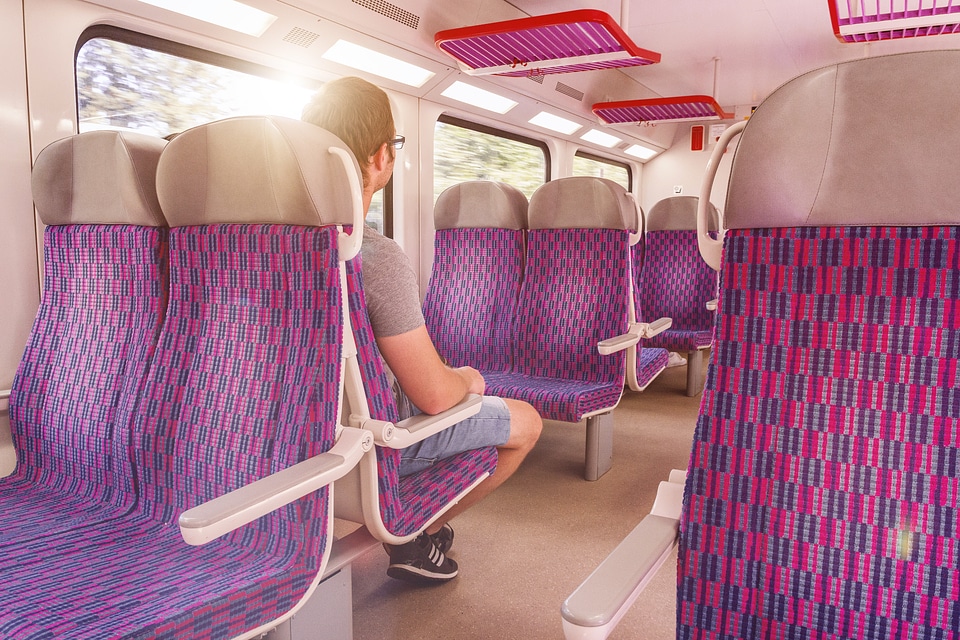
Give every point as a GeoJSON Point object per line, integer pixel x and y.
{"type": "Point", "coordinates": [225, 13]}
{"type": "Point", "coordinates": [554, 123]}
{"type": "Point", "coordinates": [640, 151]}
{"type": "Point", "coordinates": [599, 137]}
{"type": "Point", "coordinates": [379, 64]}
{"type": "Point", "coordinates": [478, 97]}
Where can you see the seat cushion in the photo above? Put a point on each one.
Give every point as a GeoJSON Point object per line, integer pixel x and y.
{"type": "Point", "coordinates": [650, 364]}
{"type": "Point", "coordinates": [144, 581]}
{"type": "Point", "coordinates": [555, 398]}
{"type": "Point", "coordinates": [681, 340]}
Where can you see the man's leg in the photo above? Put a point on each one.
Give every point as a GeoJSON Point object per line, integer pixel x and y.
{"type": "Point", "coordinates": [510, 425]}
{"type": "Point", "coordinates": [525, 427]}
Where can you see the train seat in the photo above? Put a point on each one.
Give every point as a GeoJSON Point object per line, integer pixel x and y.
{"type": "Point", "coordinates": [822, 495]}
{"type": "Point", "coordinates": [396, 509]}
{"type": "Point", "coordinates": [236, 436]}
{"type": "Point", "coordinates": [675, 282]}
{"type": "Point", "coordinates": [572, 325]}
{"type": "Point", "coordinates": [471, 299]}
{"type": "Point", "coordinates": [644, 364]}
{"type": "Point", "coordinates": [86, 359]}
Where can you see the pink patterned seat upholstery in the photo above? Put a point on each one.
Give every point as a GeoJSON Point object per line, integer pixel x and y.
{"type": "Point", "coordinates": [675, 282]}
{"type": "Point", "coordinates": [644, 364]}
{"type": "Point", "coordinates": [244, 383]}
{"type": "Point", "coordinates": [821, 501]}
{"type": "Point", "coordinates": [406, 505]}
{"type": "Point", "coordinates": [471, 299]}
{"type": "Point", "coordinates": [575, 294]}
{"type": "Point", "coordinates": [86, 359]}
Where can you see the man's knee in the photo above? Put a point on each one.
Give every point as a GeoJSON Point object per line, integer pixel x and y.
{"type": "Point", "coordinates": [525, 424]}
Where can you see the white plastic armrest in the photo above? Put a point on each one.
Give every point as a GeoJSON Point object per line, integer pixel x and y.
{"type": "Point", "coordinates": [4, 394]}
{"type": "Point", "coordinates": [598, 604]}
{"type": "Point", "coordinates": [617, 343]}
{"type": "Point", "coordinates": [421, 426]}
{"type": "Point", "coordinates": [230, 511]}
{"type": "Point", "coordinates": [712, 304]}
{"type": "Point", "coordinates": [659, 325]}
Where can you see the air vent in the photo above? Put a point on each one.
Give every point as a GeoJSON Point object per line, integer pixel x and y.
{"type": "Point", "coordinates": [301, 37]}
{"type": "Point", "coordinates": [391, 11]}
{"type": "Point", "coordinates": [567, 90]}
{"type": "Point", "coordinates": [538, 78]}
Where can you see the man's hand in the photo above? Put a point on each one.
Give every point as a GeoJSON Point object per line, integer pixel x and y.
{"type": "Point", "coordinates": [473, 378]}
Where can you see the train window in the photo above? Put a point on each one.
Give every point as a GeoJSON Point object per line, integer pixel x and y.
{"type": "Point", "coordinates": [468, 151]}
{"type": "Point", "coordinates": [131, 81]}
{"type": "Point", "coordinates": [587, 164]}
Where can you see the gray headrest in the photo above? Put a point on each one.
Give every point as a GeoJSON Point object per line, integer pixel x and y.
{"type": "Point", "coordinates": [678, 213]}
{"type": "Point", "coordinates": [582, 203]}
{"type": "Point", "coordinates": [874, 141]}
{"type": "Point", "coordinates": [99, 177]}
{"type": "Point", "coordinates": [480, 204]}
{"type": "Point", "coordinates": [255, 169]}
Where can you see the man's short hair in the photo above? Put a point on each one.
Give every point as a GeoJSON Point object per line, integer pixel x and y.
{"type": "Point", "coordinates": [355, 111]}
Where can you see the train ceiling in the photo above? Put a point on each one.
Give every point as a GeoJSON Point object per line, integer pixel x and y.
{"type": "Point", "coordinates": [761, 43]}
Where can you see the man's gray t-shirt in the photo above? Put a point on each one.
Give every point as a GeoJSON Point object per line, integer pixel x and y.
{"type": "Point", "coordinates": [392, 296]}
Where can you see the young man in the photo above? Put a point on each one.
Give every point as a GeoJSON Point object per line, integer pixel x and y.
{"type": "Point", "coordinates": [359, 113]}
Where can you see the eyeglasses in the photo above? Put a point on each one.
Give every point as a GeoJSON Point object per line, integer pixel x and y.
{"type": "Point", "coordinates": [397, 142]}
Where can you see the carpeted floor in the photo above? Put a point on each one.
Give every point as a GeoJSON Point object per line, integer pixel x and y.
{"type": "Point", "coordinates": [529, 545]}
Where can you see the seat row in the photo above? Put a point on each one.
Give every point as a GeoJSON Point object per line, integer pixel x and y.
{"type": "Point", "coordinates": [200, 371]}
{"type": "Point", "coordinates": [540, 296]}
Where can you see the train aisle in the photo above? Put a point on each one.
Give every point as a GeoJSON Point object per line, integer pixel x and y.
{"type": "Point", "coordinates": [531, 543]}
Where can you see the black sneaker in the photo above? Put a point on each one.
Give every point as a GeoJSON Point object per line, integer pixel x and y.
{"type": "Point", "coordinates": [420, 561]}
{"type": "Point", "coordinates": [443, 539]}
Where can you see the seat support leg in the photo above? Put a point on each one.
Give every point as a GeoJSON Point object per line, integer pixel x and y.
{"type": "Point", "coordinates": [695, 371]}
{"type": "Point", "coordinates": [599, 449]}
{"type": "Point", "coordinates": [329, 609]}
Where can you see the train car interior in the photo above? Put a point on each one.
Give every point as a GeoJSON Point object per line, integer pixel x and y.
{"type": "Point", "coordinates": [706, 253]}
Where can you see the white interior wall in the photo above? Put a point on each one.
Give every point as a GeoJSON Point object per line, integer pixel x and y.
{"type": "Point", "coordinates": [680, 167]}
{"type": "Point", "coordinates": [18, 242]}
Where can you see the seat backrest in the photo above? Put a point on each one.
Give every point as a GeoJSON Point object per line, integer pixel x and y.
{"type": "Point", "coordinates": [674, 280]}
{"type": "Point", "coordinates": [248, 369]}
{"type": "Point", "coordinates": [104, 295]}
{"type": "Point", "coordinates": [575, 290]}
{"type": "Point", "coordinates": [822, 495]}
{"type": "Point", "coordinates": [471, 299]}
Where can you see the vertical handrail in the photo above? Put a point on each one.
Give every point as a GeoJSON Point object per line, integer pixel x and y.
{"type": "Point", "coordinates": [710, 248]}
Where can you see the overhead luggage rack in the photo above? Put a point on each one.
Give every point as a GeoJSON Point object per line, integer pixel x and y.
{"type": "Point", "coordinates": [673, 109]}
{"type": "Point", "coordinates": [872, 20]}
{"type": "Point", "coordinates": [581, 40]}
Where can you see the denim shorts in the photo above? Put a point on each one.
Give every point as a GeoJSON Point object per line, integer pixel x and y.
{"type": "Point", "coordinates": [489, 427]}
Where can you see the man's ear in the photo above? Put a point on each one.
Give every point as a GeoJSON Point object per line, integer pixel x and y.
{"type": "Point", "coordinates": [381, 158]}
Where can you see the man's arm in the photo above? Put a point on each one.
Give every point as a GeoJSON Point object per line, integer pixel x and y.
{"type": "Point", "coordinates": [431, 385]}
